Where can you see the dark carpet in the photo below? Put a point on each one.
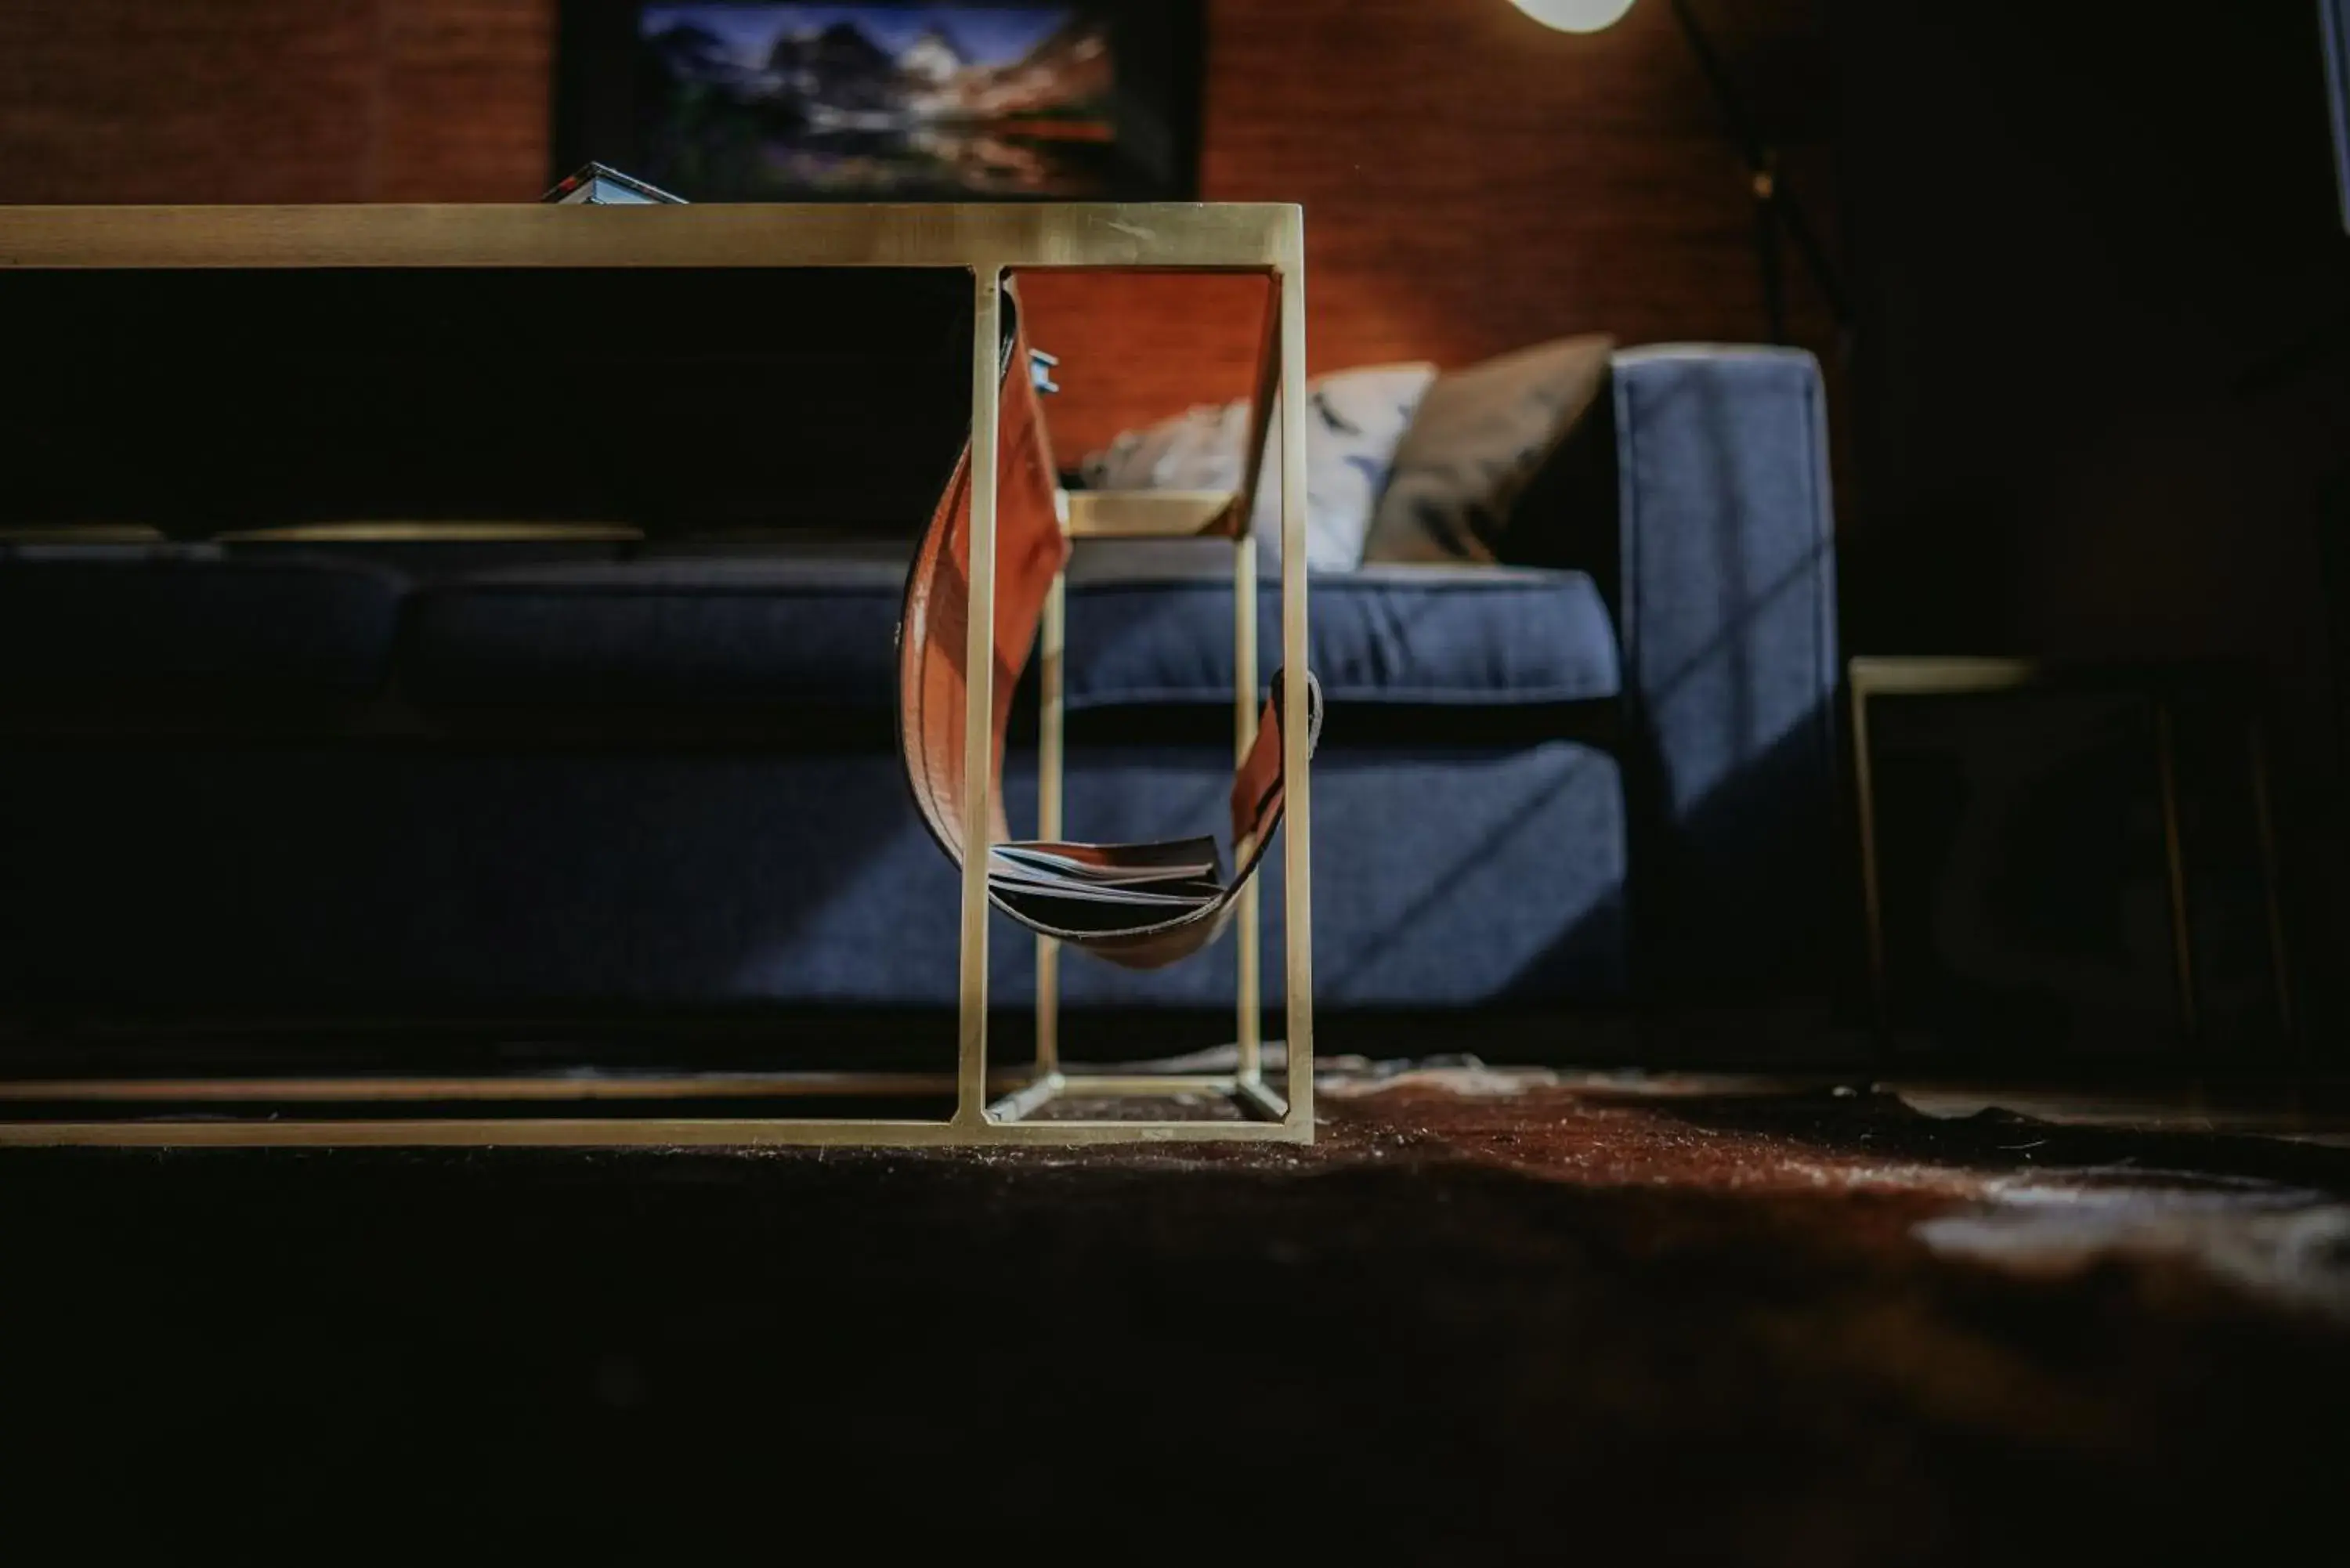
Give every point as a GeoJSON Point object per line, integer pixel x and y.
{"type": "Point", "coordinates": [1482, 1320]}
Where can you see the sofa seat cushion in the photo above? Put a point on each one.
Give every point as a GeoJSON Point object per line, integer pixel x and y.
{"type": "Point", "coordinates": [801, 628]}
{"type": "Point", "coordinates": [819, 629]}
{"type": "Point", "coordinates": [177, 620]}
{"type": "Point", "coordinates": [1405, 636]}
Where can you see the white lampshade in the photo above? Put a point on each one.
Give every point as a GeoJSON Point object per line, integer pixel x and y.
{"type": "Point", "coordinates": [1574, 15]}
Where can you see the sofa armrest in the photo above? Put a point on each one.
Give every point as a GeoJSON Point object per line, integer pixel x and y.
{"type": "Point", "coordinates": [1725, 597]}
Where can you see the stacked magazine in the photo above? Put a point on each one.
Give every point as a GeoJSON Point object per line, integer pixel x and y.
{"type": "Point", "coordinates": [1106, 888]}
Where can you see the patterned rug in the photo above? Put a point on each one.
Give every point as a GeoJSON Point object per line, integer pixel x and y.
{"type": "Point", "coordinates": [1489, 1316]}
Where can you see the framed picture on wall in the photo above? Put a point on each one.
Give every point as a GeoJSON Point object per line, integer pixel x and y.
{"type": "Point", "coordinates": [884, 101]}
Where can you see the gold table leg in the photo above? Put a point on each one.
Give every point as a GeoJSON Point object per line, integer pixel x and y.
{"type": "Point", "coordinates": [1249, 1006]}
{"type": "Point", "coordinates": [1052, 639]}
{"type": "Point", "coordinates": [979, 696]}
{"type": "Point", "coordinates": [1297, 758]}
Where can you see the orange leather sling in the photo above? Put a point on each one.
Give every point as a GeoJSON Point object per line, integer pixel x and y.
{"type": "Point", "coordinates": [1143, 932]}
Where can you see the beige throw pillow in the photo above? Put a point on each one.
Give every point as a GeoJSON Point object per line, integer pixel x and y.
{"type": "Point", "coordinates": [1352, 420]}
{"type": "Point", "coordinates": [1479, 437]}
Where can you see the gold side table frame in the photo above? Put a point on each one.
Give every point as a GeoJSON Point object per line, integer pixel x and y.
{"type": "Point", "coordinates": [992, 1106]}
{"type": "Point", "coordinates": [1919, 675]}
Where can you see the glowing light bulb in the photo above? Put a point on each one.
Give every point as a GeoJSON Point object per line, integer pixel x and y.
{"type": "Point", "coordinates": [1574, 15]}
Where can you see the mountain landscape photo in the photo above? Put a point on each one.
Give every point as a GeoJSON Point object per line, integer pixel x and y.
{"type": "Point", "coordinates": [876, 101]}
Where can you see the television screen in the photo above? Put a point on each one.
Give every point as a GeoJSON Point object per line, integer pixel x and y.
{"type": "Point", "coordinates": [885, 100]}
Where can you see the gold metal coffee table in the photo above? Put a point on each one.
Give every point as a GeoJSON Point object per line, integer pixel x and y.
{"type": "Point", "coordinates": [992, 1104]}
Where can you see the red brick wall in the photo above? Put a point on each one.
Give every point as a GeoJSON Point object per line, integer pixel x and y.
{"type": "Point", "coordinates": [274, 100]}
{"type": "Point", "coordinates": [1471, 181]}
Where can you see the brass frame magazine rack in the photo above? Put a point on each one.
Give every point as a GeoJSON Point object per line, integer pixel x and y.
{"type": "Point", "coordinates": [992, 1106]}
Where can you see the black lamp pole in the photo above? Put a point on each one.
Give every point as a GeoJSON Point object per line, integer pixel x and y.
{"type": "Point", "coordinates": [1777, 213]}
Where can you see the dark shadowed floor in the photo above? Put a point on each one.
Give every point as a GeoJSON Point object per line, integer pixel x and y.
{"type": "Point", "coordinates": [1487, 1317]}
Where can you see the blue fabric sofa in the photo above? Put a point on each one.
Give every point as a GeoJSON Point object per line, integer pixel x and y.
{"type": "Point", "coordinates": [264, 782]}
